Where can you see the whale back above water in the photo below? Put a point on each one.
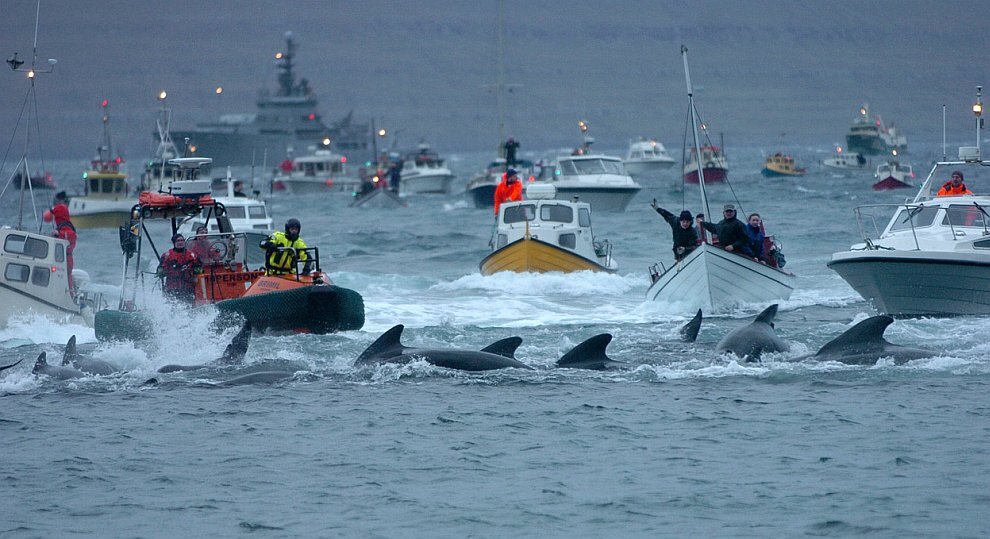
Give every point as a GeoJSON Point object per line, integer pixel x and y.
{"type": "Point", "coordinates": [58, 372]}
{"type": "Point", "coordinates": [689, 332]}
{"type": "Point", "coordinates": [751, 341]}
{"type": "Point", "coordinates": [863, 344]}
{"type": "Point", "coordinates": [388, 348]}
{"type": "Point", "coordinates": [590, 354]}
{"type": "Point", "coordinates": [72, 358]}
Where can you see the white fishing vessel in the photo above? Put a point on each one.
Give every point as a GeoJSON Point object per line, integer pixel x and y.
{"type": "Point", "coordinates": [870, 136]}
{"type": "Point", "coordinates": [841, 160]}
{"type": "Point", "coordinates": [541, 234]}
{"type": "Point", "coordinates": [711, 278]}
{"type": "Point", "coordinates": [106, 200]}
{"type": "Point", "coordinates": [320, 172]}
{"type": "Point", "coordinates": [598, 179]}
{"type": "Point", "coordinates": [893, 175]}
{"type": "Point", "coordinates": [933, 256]}
{"type": "Point", "coordinates": [647, 158]}
{"type": "Point", "coordinates": [34, 267]}
{"type": "Point", "coordinates": [423, 171]}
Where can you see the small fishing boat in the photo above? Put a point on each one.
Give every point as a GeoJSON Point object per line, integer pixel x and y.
{"type": "Point", "coordinates": [106, 200]}
{"type": "Point", "coordinates": [303, 300]}
{"type": "Point", "coordinates": [647, 158]}
{"type": "Point", "coordinates": [322, 171]}
{"type": "Point", "coordinates": [481, 189]}
{"type": "Point", "coordinates": [423, 171]}
{"type": "Point", "coordinates": [846, 160]}
{"type": "Point", "coordinates": [714, 165]}
{"type": "Point", "coordinates": [541, 234]}
{"type": "Point", "coordinates": [779, 164]}
{"type": "Point", "coordinates": [377, 194]}
{"type": "Point", "coordinates": [893, 175]}
{"type": "Point", "coordinates": [600, 180]}
{"type": "Point", "coordinates": [37, 181]}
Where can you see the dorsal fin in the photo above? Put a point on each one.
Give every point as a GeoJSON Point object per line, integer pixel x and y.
{"type": "Point", "coordinates": [70, 351]}
{"type": "Point", "coordinates": [234, 353]}
{"type": "Point", "coordinates": [590, 354]}
{"type": "Point", "coordinates": [869, 331]}
{"type": "Point", "coordinates": [5, 367]}
{"type": "Point", "coordinates": [689, 333]}
{"type": "Point", "coordinates": [388, 345]}
{"type": "Point", "coordinates": [767, 315]}
{"type": "Point", "coordinates": [505, 347]}
{"type": "Point", "coordinates": [42, 361]}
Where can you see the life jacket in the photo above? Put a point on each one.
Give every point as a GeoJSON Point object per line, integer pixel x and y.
{"type": "Point", "coordinates": [507, 193]}
{"type": "Point", "coordinates": [948, 190]}
{"type": "Point", "coordinates": [178, 269]}
{"type": "Point", "coordinates": [279, 262]}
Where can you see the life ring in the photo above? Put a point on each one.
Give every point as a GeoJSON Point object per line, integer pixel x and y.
{"type": "Point", "coordinates": [709, 164]}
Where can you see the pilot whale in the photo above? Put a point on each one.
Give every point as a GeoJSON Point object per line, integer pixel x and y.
{"type": "Point", "coordinates": [863, 344]}
{"type": "Point", "coordinates": [751, 341]}
{"type": "Point", "coordinates": [233, 354]}
{"type": "Point", "coordinates": [72, 358]}
{"type": "Point", "coordinates": [590, 354]}
{"type": "Point", "coordinates": [388, 349]}
{"type": "Point", "coordinates": [58, 372]}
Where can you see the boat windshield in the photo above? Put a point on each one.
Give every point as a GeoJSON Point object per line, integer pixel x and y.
{"type": "Point", "coordinates": [965, 215]}
{"type": "Point", "coordinates": [556, 213]}
{"type": "Point", "coordinates": [920, 216]}
{"type": "Point", "coordinates": [27, 246]}
{"type": "Point", "coordinates": [517, 214]}
{"type": "Point", "coordinates": [570, 167]}
{"type": "Point", "coordinates": [257, 212]}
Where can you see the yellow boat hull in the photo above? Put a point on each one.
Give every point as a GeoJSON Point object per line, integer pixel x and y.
{"type": "Point", "coordinates": [108, 219]}
{"type": "Point", "coordinates": [529, 255]}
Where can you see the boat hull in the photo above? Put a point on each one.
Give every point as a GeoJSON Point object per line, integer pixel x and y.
{"type": "Point", "coordinates": [482, 194]}
{"type": "Point", "coordinates": [918, 283]}
{"type": "Point", "coordinates": [608, 199]}
{"type": "Point", "coordinates": [378, 198]}
{"type": "Point", "coordinates": [711, 278]}
{"type": "Point", "coordinates": [104, 219]}
{"type": "Point", "coordinates": [15, 302]}
{"type": "Point", "coordinates": [712, 175]}
{"type": "Point", "coordinates": [426, 184]}
{"type": "Point", "coordinates": [531, 255]}
{"type": "Point", "coordinates": [776, 173]}
{"type": "Point", "coordinates": [871, 145]}
{"type": "Point", "coordinates": [647, 169]}
{"type": "Point", "coordinates": [319, 186]}
{"type": "Point", "coordinates": [307, 309]}
{"type": "Point", "coordinates": [889, 183]}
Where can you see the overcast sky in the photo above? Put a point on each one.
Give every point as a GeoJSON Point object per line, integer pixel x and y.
{"type": "Point", "coordinates": [762, 68]}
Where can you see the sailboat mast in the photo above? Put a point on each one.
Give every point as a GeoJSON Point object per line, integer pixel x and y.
{"type": "Point", "coordinates": [500, 78]}
{"type": "Point", "coordinates": [694, 132]}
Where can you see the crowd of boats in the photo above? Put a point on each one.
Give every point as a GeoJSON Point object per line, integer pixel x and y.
{"type": "Point", "coordinates": [550, 229]}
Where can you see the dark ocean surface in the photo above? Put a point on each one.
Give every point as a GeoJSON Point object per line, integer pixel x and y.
{"type": "Point", "coordinates": [683, 444]}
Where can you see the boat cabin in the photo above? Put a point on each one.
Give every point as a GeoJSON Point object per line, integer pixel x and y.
{"type": "Point", "coordinates": [319, 163]}
{"type": "Point", "coordinates": [894, 169]}
{"type": "Point", "coordinates": [588, 165]}
{"type": "Point", "coordinates": [647, 150]}
{"type": "Point", "coordinates": [560, 223]}
{"type": "Point", "coordinates": [34, 268]}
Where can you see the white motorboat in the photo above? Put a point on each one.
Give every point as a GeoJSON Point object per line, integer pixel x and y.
{"type": "Point", "coordinates": [319, 172]}
{"type": "Point", "coordinates": [107, 201]}
{"type": "Point", "coordinates": [599, 180]}
{"type": "Point", "coordinates": [647, 158]}
{"type": "Point", "coordinates": [424, 172]}
{"type": "Point", "coordinates": [846, 160]}
{"type": "Point", "coordinates": [893, 175]}
{"type": "Point", "coordinates": [933, 256]}
{"type": "Point", "coordinates": [541, 234]}
{"type": "Point", "coordinates": [870, 136]}
{"type": "Point", "coordinates": [711, 278]}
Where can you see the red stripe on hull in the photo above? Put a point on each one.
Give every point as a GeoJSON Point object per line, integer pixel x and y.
{"type": "Point", "coordinates": [712, 175]}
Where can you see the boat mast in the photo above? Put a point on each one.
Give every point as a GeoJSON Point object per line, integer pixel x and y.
{"type": "Point", "coordinates": [500, 78]}
{"type": "Point", "coordinates": [694, 132]}
{"type": "Point", "coordinates": [978, 112]}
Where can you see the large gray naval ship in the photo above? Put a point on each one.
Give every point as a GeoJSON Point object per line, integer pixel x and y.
{"type": "Point", "coordinates": [286, 120]}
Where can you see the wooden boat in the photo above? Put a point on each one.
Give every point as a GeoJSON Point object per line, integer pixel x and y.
{"type": "Point", "coordinates": [106, 201]}
{"type": "Point", "coordinates": [541, 235]}
{"type": "Point", "coordinates": [779, 164]}
{"type": "Point", "coordinates": [893, 175]}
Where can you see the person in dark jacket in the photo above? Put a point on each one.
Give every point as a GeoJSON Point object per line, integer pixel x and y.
{"type": "Point", "coordinates": [754, 230]}
{"type": "Point", "coordinates": [731, 231]}
{"type": "Point", "coordinates": [511, 146]}
{"type": "Point", "coordinates": [685, 236]}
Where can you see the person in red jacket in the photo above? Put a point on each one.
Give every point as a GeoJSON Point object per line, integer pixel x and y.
{"type": "Point", "coordinates": [178, 268]}
{"type": "Point", "coordinates": [509, 189]}
{"type": "Point", "coordinates": [955, 186]}
{"type": "Point", "coordinates": [64, 229]}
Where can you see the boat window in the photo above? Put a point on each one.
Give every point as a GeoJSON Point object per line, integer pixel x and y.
{"type": "Point", "coordinates": [568, 241]}
{"type": "Point", "coordinates": [59, 252]}
{"type": "Point", "coordinates": [920, 215]}
{"type": "Point", "coordinates": [502, 240]}
{"type": "Point", "coordinates": [94, 185]}
{"type": "Point", "coordinates": [964, 215]}
{"type": "Point", "coordinates": [23, 245]}
{"type": "Point", "coordinates": [613, 167]}
{"type": "Point", "coordinates": [557, 213]}
{"type": "Point", "coordinates": [257, 212]}
{"type": "Point", "coordinates": [584, 217]}
{"type": "Point", "coordinates": [107, 186]}
{"type": "Point", "coordinates": [41, 276]}
{"type": "Point", "coordinates": [567, 168]}
{"type": "Point", "coordinates": [17, 273]}
{"type": "Point", "coordinates": [516, 214]}
{"type": "Point", "coordinates": [982, 244]}
{"type": "Point", "coordinates": [590, 166]}
{"type": "Point", "coordinates": [236, 212]}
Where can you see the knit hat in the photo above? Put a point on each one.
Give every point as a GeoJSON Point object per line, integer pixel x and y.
{"type": "Point", "coordinates": [685, 215]}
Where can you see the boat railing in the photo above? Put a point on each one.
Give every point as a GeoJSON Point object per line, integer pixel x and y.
{"type": "Point", "coordinates": [603, 249]}
{"type": "Point", "coordinates": [656, 271]}
{"type": "Point", "coordinates": [303, 266]}
{"type": "Point", "coordinates": [866, 219]}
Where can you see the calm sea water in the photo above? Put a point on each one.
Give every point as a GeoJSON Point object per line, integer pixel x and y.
{"type": "Point", "coordinates": [685, 443]}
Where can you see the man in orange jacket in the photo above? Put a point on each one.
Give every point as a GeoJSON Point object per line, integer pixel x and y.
{"type": "Point", "coordinates": [955, 186]}
{"type": "Point", "coordinates": [509, 189]}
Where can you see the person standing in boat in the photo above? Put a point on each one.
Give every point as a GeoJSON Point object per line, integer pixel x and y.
{"type": "Point", "coordinates": [955, 186]}
{"type": "Point", "coordinates": [239, 189]}
{"type": "Point", "coordinates": [64, 229]}
{"type": "Point", "coordinates": [730, 230]}
{"type": "Point", "coordinates": [685, 236]}
{"type": "Point", "coordinates": [394, 176]}
{"type": "Point", "coordinates": [511, 146]}
{"type": "Point", "coordinates": [508, 190]}
{"type": "Point", "coordinates": [178, 268]}
{"type": "Point", "coordinates": [283, 249]}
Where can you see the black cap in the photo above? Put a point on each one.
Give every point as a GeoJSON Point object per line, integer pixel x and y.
{"type": "Point", "coordinates": [685, 215]}
{"type": "Point", "coordinates": [511, 172]}
{"type": "Point", "coordinates": [61, 195]}
{"type": "Point", "coordinates": [954, 173]}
